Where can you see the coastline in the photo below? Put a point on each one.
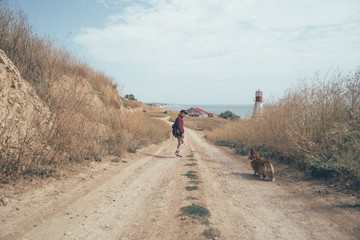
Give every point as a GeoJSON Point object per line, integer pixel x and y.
{"type": "Point", "coordinates": [242, 110]}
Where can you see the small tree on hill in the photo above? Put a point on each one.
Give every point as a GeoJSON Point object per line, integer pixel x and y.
{"type": "Point", "coordinates": [130, 97]}
{"type": "Point", "coordinates": [229, 115]}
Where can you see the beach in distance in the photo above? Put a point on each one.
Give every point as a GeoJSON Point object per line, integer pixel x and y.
{"type": "Point", "coordinates": [242, 110]}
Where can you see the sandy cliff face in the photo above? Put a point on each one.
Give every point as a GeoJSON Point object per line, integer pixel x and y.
{"type": "Point", "coordinates": [79, 113]}
{"type": "Point", "coordinates": [74, 118]}
{"type": "Point", "coordinates": [90, 109]}
{"type": "Point", "coordinates": [23, 116]}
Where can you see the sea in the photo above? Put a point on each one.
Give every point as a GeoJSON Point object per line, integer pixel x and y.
{"type": "Point", "coordinates": [242, 110]}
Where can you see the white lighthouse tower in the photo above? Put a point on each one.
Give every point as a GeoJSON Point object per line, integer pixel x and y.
{"type": "Point", "coordinates": [258, 103]}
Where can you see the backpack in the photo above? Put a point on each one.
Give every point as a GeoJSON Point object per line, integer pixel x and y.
{"type": "Point", "coordinates": [175, 129]}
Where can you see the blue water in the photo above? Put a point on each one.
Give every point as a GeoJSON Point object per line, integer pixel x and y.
{"type": "Point", "coordinates": [244, 111]}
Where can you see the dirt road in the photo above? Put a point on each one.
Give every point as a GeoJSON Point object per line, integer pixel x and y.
{"type": "Point", "coordinates": [141, 199]}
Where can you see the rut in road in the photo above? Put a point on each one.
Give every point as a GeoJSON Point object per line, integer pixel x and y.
{"type": "Point", "coordinates": [142, 200]}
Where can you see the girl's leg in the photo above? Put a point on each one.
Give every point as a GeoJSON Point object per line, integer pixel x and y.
{"type": "Point", "coordinates": [181, 144]}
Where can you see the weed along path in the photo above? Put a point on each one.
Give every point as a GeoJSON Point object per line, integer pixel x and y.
{"type": "Point", "coordinates": [207, 194]}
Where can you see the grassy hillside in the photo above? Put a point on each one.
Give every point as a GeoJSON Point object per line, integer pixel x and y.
{"type": "Point", "coordinates": [314, 125]}
{"type": "Point", "coordinates": [86, 118]}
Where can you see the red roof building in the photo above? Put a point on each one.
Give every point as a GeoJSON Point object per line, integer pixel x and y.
{"type": "Point", "coordinates": [198, 112]}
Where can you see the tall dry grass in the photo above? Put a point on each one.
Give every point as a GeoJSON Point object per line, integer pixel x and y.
{"type": "Point", "coordinates": [315, 125]}
{"type": "Point", "coordinates": [132, 103]}
{"type": "Point", "coordinates": [162, 113]}
{"type": "Point", "coordinates": [205, 123]}
{"type": "Point", "coordinates": [134, 130]}
{"type": "Point", "coordinates": [87, 118]}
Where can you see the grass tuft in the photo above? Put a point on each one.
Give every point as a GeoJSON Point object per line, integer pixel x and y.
{"type": "Point", "coordinates": [117, 159]}
{"type": "Point", "coordinates": [191, 175]}
{"type": "Point", "coordinates": [191, 198]}
{"type": "Point", "coordinates": [196, 182]}
{"type": "Point", "coordinates": [195, 211]}
{"type": "Point", "coordinates": [191, 188]}
{"type": "Point", "coordinates": [357, 205]}
{"type": "Point", "coordinates": [191, 164]}
{"type": "Point", "coordinates": [212, 233]}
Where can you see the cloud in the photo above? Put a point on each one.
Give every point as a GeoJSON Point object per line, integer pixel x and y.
{"type": "Point", "coordinates": [109, 3]}
{"type": "Point", "coordinates": [208, 40]}
{"type": "Point", "coordinates": [103, 2]}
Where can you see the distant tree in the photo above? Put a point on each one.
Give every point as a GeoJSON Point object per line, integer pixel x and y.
{"type": "Point", "coordinates": [130, 97]}
{"type": "Point", "coordinates": [229, 115]}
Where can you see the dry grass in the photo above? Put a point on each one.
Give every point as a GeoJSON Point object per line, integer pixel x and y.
{"type": "Point", "coordinates": [136, 130]}
{"type": "Point", "coordinates": [162, 113]}
{"type": "Point", "coordinates": [315, 125]}
{"type": "Point", "coordinates": [132, 103]}
{"type": "Point", "coordinates": [195, 123]}
{"type": "Point", "coordinates": [201, 124]}
{"type": "Point", "coordinates": [87, 118]}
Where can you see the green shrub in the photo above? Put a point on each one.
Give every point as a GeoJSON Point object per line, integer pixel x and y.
{"type": "Point", "coordinates": [229, 115]}
{"type": "Point", "coordinates": [195, 211]}
{"type": "Point", "coordinates": [191, 188]}
{"type": "Point", "coordinates": [212, 233]}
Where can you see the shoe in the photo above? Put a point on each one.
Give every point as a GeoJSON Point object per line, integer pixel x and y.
{"type": "Point", "coordinates": [178, 154]}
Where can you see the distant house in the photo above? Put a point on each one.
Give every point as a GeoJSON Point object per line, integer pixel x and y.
{"type": "Point", "coordinates": [198, 112]}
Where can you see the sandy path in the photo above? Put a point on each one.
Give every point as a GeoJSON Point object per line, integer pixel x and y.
{"type": "Point", "coordinates": [141, 200]}
{"type": "Point", "coordinates": [244, 207]}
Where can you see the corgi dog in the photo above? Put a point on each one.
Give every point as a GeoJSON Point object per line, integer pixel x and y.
{"type": "Point", "coordinates": [254, 154]}
{"type": "Point", "coordinates": [263, 167]}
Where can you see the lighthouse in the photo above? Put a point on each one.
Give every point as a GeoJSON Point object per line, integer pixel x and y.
{"type": "Point", "coordinates": [258, 103]}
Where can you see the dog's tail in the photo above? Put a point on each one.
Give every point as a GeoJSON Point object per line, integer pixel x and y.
{"type": "Point", "coordinates": [272, 173]}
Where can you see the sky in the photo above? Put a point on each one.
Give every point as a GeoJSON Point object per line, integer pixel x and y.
{"type": "Point", "coordinates": [204, 51]}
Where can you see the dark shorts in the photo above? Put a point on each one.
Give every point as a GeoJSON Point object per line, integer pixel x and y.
{"type": "Point", "coordinates": [178, 135]}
